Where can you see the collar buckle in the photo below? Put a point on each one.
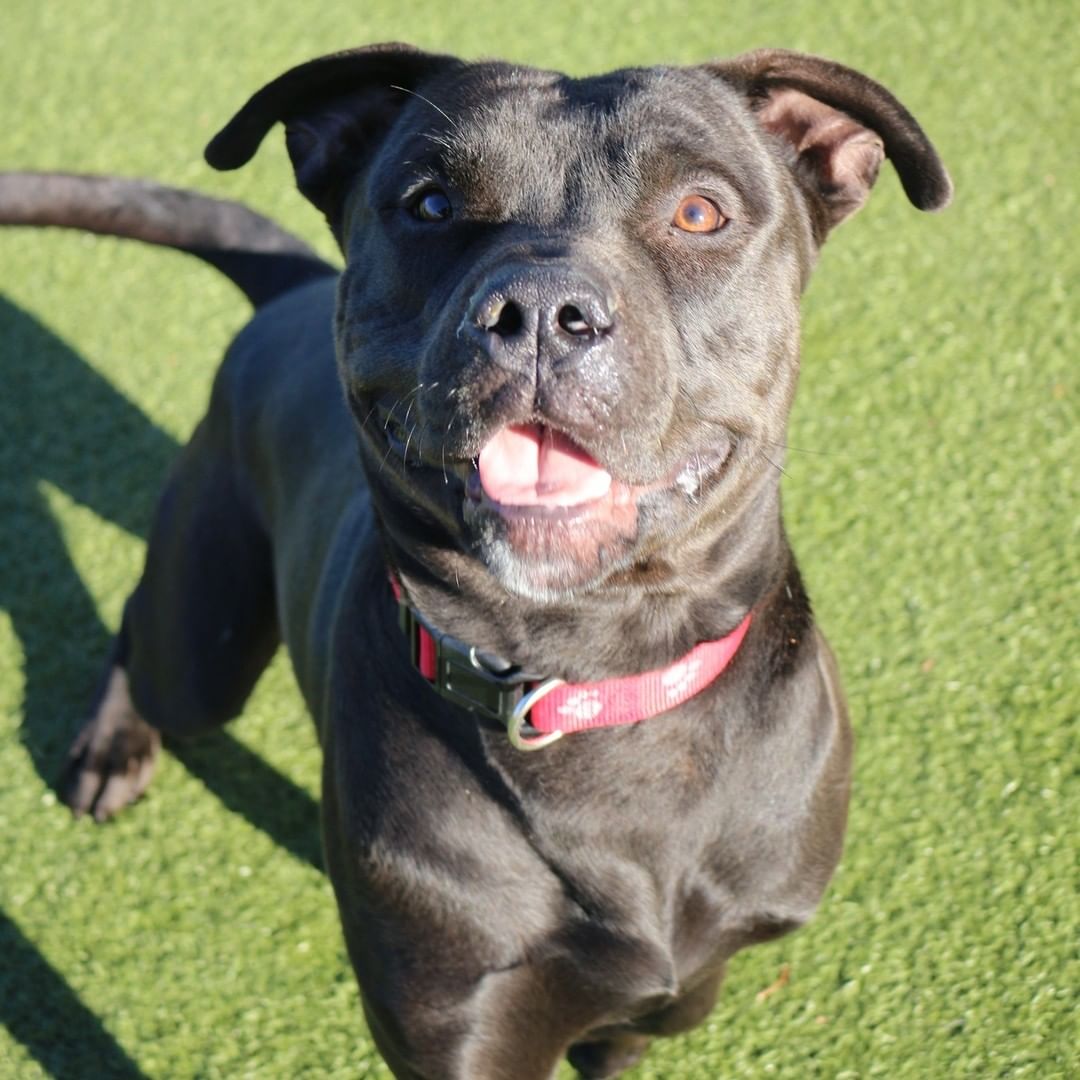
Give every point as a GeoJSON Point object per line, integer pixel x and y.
{"type": "Point", "coordinates": [469, 678]}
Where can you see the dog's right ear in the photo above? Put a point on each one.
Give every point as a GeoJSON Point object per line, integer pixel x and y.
{"type": "Point", "coordinates": [335, 109]}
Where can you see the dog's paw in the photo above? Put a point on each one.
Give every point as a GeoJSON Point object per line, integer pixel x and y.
{"type": "Point", "coordinates": [112, 758]}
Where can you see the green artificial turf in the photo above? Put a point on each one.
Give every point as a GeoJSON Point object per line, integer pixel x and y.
{"type": "Point", "coordinates": [931, 496]}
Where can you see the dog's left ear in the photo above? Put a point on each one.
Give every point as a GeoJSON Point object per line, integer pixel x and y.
{"type": "Point", "coordinates": [335, 110]}
{"type": "Point", "coordinates": [840, 125]}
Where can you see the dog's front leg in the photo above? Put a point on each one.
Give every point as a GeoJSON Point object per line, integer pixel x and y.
{"type": "Point", "coordinates": [449, 990]}
{"type": "Point", "coordinates": [503, 1029]}
{"type": "Point", "coordinates": [198, 630]}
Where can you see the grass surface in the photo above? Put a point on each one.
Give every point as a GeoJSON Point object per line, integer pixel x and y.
{"type": "Point", "coordinates": [932, 501]}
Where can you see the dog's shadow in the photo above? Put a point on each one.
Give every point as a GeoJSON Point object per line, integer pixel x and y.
{"type": "Point", "coordinates": [43, 1013]}
{"type": "Point", "coordinates": [65, 426]}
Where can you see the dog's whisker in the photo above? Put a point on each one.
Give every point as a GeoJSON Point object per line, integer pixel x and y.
{"type": "Point", "coordinates": [390, 413]}
{"type": "Point", "coordinates": [386, 456]}
{"type": "Point", "coordinates": [779, 468]}
{"type": "Point", "coordinates": [369, 414]}
{"type": "Point", "coordinates": [405, 90]}
{"type": "Point", "coordinates": [842, 454]}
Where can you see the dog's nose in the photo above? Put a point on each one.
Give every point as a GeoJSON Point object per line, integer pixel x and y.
{"type": "Point", "coordinates": [581, 314]}
{"type": "Point", "coordinates": [523, 315]}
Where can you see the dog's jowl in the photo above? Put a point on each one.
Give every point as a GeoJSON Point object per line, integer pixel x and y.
{"type": "Point", "coordinates": [507, 489]}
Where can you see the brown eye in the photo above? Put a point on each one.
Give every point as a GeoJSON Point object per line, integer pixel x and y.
{"type": "Point", "coordinates": [698, 214]}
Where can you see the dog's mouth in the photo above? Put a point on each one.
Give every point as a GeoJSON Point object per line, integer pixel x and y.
{"type": "Point", "coordinates": [544, 513]}
{"type": "Point", "coordinates": [523, 470]}
{"type": "Point", "coordinates": [534, 470]}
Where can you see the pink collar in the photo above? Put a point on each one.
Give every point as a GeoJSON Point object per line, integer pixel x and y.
{"type": "Point", "coordinates": [538, 710]}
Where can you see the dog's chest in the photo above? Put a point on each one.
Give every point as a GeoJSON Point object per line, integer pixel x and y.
{"type": "Point", "coordinates": [627, 864]}
{"type": "Point", "coordinates": [656, 913]}
{"type": "Point", "coordinates": [659, 879]}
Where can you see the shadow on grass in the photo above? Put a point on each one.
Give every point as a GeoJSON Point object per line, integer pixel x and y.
{"type": "Point", "coordinates": [44, 1014]}
{"type": "Point", "coordinates": [243, 781]}
{"type": "Point", "coordinates": [64, 425]}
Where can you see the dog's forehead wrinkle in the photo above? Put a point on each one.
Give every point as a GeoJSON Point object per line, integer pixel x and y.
{"type": "Point", "coordinates": [546, 137]}
{"type": "Point", "coordinates": [521, 155]}
{"type": "Point", "coordinates": [545, 148]}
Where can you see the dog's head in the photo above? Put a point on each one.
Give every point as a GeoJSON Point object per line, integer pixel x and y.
{"type": "Point", "coordinates": [568, 323]}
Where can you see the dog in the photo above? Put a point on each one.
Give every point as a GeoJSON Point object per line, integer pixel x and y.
{"type": "Point", "coordinates": [507, 490]}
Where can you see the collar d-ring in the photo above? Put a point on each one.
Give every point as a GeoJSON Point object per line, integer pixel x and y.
{"type": "Point", "coordinates": [519, 718]}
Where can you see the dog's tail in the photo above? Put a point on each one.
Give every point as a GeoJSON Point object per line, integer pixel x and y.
{"type": "Point", "coordinates": [259, 257]}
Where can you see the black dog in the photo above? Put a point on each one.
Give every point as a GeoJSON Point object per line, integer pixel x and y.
{"type": "Point", "coordinates": [567, 333]}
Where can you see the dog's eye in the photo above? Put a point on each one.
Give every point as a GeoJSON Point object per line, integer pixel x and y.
{"type": "Point", "coordinates": [698, 214]}
{"type": "Point", "coordinates": [432, 205]}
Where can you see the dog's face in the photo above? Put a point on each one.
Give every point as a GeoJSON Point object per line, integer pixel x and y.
{"type": "Point", "coordinates": [568, 324]}
{"type": "Point", "coordinates": [586, 326]}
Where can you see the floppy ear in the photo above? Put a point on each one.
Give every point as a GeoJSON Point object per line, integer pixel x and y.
{"type": "Point", "coordinates": [335, 109]}
{"type": "Point", "coordinates": [840, 125]}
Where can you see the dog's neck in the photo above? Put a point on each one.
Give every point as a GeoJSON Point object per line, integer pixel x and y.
{"type": "Point", "coordinates": [664, 606]}
{"type": "Point", "coordinates": [536, 709]}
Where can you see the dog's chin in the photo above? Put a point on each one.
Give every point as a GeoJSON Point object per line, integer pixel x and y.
{"type": "Point", "coordinates": [548, 552]}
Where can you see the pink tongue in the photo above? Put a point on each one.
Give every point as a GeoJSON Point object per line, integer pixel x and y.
{"type": "Point", "coordinates": [529, 465]}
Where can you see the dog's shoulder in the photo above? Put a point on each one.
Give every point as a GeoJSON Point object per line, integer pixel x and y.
{"type": "Point", "coordinates": [286, 347]}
